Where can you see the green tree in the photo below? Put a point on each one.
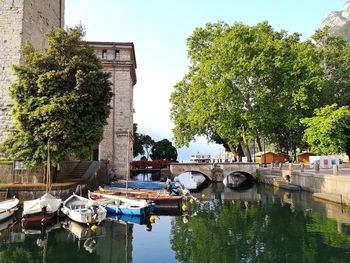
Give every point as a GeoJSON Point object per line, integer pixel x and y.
{"type": "Point", "coordinates": [148, 144]}
{"type": "Point", "coordinates": [61, 95]}
{"type": "Point", "coordinates": [164, 150]}
{"type": "Point", "coordinates": [335, 63]}
{"type": "Point", "coordinates": [142, 144]}
{"type": "Point", "coordinates": [137, 143]}
{"type": "Point", "coordinates": [327, 130]}
{"type": "Point", "coordinates": [245, 83]}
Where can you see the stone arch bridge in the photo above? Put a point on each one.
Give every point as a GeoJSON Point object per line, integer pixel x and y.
{"type": "Point", "coordinates": [215, 172]}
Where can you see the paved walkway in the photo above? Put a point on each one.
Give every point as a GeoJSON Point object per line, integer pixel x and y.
{"type": "Point", "coordinates": [343, 169]}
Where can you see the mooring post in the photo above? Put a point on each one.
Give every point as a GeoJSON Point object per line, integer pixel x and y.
{"type": "Point", "coordinates": [335, 170]}
{"type": "Point", "coordinates": [317, 167]}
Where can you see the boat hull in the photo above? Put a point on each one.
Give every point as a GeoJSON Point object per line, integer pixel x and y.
{"type": "Point", "coordinates": [161, 199]}
{"type": "Point", "coordinates": [126, 211]}
{"type": "Point", "coordinates": [39, 219]}
{"type": "Point", "coordinates": [7, 208]}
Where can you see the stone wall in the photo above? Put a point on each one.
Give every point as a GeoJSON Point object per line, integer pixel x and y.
{"type": "Point", "coordinates": [20, 21]}
{"type": "Point", "coordinates": [39, 17]}
{"type": "Point", "coordinates": [115, 147]}
{"type": "Point", "coordinates": [11, 18]}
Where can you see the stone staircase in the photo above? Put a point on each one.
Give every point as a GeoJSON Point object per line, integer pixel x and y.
{"type": "Point", "coordinates": [281, 182]}
{"type": "Point", "coordinates": [79, 171]}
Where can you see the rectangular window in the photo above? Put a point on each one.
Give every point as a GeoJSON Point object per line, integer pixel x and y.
{"type": "Point", "coordinates": [104, 54]}
{"type": "Point", "coordinates": [117, 55]}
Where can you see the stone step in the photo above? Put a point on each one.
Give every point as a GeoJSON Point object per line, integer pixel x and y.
{"type": "Point", "coordinates": [336, 198]}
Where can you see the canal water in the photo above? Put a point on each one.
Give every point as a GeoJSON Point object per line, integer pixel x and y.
{"type": "Point", "coordinates": [261, 224]}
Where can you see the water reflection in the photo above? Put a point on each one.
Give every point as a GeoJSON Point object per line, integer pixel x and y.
{"type": "Point", "coordinates": [261, 224]}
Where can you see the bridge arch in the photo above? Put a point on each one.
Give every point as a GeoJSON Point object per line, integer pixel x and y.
{"type": "Point", "coordinates": [248, 176]}
{"type": "Point", "coordinates": [239, 180]}
{"type": "Point", "coordinates": [216, 172]}
{"type": "Point", "coordinates": [200, 172]}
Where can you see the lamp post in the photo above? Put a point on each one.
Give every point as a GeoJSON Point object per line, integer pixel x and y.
{"type": "Point", "coordinates": [264, 154]}
{"type": "Point", "coordinates": [254, 151]}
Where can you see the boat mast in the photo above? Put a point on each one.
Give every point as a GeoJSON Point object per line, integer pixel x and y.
{"type": "Point", "coordinates": [127, 170]}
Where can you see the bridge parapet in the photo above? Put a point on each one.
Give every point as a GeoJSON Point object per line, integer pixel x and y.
{"type": "Point", "coordinates": [213, 171]}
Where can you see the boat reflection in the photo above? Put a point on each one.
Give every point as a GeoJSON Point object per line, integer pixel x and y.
{"type": "Point", "coordinates": [84, 235]}
{"type": "Point", "coordinates": [132, 219]}
{"type": "Point", "coordinates": [8, 234]}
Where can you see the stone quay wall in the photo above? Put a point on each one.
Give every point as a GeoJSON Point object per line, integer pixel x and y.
{"type": "Point", "coordinates": [333, 184]}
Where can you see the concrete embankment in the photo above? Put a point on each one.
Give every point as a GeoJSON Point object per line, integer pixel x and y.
{"type": "Point", "coordinates": [324, 185]}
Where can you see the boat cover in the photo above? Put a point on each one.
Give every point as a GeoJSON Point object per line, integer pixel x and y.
{"type": "Point", "coordinates": [51, 203]}
{"type": "Point", "coordinates": [137, 184]}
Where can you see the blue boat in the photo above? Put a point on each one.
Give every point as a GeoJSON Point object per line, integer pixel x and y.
{"type": "Point", "coordinates": [140, 220]}
{"type": "Point", "coordinates": [137, 184]}
{"type": "Point", "coordinates": [123, 205]}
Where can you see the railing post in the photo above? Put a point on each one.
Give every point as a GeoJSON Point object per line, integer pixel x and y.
{"type": "Point", "coordinates": [302, 167]}
{"type": "Point", "coordinates": [290, 167]}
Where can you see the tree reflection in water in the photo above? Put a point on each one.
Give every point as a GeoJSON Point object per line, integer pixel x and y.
{"type": "Point", "coordinates": [258, 231]}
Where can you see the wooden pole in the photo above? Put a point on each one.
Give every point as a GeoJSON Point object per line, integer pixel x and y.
{"type": "Point", "coordinates": [48, 170]}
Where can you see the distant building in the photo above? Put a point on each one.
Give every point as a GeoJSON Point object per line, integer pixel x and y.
{"type": "Point", "coordinates": [270, 157]}
{"type": "Point", "coordinates": [224, 156]}
{"type": "Point", "coordinates": [200, 158]}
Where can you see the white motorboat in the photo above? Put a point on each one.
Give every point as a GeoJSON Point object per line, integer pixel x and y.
{"type": "Point", "coordinates": [83, 210]}
{"type": "Point", "coordinates": [8, 207]}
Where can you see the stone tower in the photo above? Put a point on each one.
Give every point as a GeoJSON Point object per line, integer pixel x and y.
{"type": "Point", "coordinates": [118, 58]}
{"type": "Point", "coordinates": [21, 21]}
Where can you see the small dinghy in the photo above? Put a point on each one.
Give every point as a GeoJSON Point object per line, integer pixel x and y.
{"type": "Point", "coordinates": [123, 205]}
{"type": "Point", "coordinates": [83, 210]}
{"type": "Point", "coordinates": [42, 210]}
{"type": "Point", "coordinates": [7, 208]}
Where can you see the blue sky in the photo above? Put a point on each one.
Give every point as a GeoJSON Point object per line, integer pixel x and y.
{"type": "Point", "coordinates": [159, 30]}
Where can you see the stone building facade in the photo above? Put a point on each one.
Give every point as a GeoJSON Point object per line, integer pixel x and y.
{"type": "Point", "coordinates": [118, 58]}
{"type": "Point", "coordinates": [21, 21]}
{"type": "Point", "coordinates": [29, 20]}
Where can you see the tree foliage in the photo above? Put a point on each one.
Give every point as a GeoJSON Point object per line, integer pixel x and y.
{"type": "Point", "coordinates": [137, 143]}
{"type": "Point", "coordinates": [164, 150]}
{"type": "Point", "coordinates": [244, 83]}
{"type": "Point", "coordinates": [143, 144]}
{"type": "Point", "coordinates": [335, 63]}
{"type": "Point", "coordinates": [61, 95]}
{"type": "Point", "coordinates": [326, 130]}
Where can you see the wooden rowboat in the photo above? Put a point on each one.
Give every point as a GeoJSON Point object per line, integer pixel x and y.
{"type": "Point", "coordinates": [160, 198]}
